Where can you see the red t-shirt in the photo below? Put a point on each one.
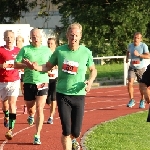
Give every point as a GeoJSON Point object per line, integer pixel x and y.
{"type": "Point", "coordinates": [8, 55]}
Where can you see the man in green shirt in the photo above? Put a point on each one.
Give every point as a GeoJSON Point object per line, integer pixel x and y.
{"type": "Point", "coordinates": [72, 60]}
{"type": "Point", "coordinates": [35, 82]}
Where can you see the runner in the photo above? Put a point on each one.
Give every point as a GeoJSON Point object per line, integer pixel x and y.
{"type": "Point", "coordinates": [35, 83]}
{"type": "Point", "coordinates": [53, 74]}
{"type": "Point", "coordinates": [9, 81]}
{"type": "Point", "coordinates": [138, 51]}
{"type": "Point", "coordinates": [19, 44]}
{"type": "Point", "coordinates": [72, 60]}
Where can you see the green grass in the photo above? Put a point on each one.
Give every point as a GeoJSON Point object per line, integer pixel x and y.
{"type": "Point", "coordinates": [109, 70]}
{"type": "Point", "coordinates": [130, 132]}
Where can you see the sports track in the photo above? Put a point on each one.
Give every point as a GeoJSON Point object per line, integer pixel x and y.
{"type": "Point", "coordinates": [101, 104]}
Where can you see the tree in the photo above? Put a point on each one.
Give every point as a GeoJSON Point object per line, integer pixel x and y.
{"type": "Point", "coordinates": [108, 25]}
{"type": "Point", "coordinates": [10, 10]}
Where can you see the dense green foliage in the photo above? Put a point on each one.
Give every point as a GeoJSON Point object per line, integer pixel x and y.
{"type": "Point", "coordinates": [108, 26]}
{"type": "Point", "coordinates": [10, 11]}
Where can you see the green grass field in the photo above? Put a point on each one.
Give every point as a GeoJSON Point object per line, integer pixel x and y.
{"type": "Point", "coordinates": [130, 132]}
{"type": "Point", "coordinates": [109, 70]}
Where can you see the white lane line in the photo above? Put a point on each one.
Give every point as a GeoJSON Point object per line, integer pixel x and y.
{"type": "Point", "coordinates": [98, 102]}
{"type": "Point", "coordinates": [103, 108]}
{"type": "Point", "coordinates": [3, 144]}
{"type": "Point", "coordinates": [111, 91]}
{"type": "Point", "coordinates": [16, 133]}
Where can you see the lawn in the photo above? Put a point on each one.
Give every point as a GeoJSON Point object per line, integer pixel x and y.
{"type": "Point", "coordinates": [109, 70]}
{"type": "Point", "coordinates": [130, 132]}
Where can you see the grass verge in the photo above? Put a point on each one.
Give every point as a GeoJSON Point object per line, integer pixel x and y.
{"type": "Point", "coordinates": [109, 70]}
{"type": "Point", "coordinates": [130, 132]}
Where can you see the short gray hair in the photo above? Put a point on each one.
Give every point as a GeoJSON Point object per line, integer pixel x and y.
{"type": "Point", "coordinates": [74, 25]}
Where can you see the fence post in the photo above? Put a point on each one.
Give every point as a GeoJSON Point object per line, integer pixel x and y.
{"type": "Point", "coordinates": [125, 71]}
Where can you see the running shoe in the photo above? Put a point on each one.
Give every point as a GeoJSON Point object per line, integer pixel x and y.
{"type": "Point", "coordinates": [30, 120]}
{"type": "Point", "coordinates": [142, 104]}
{"type": "Point", "coordinates": [6, 122]}
{"type": "Point", "coordinates": [9, 135]}
{"type": "Point", "coordinates": [75, 145]}
{"type": "Point", "coordinates": [131, 103]}
{"type": "Point", "coordinates": [36, 140]}
{"type": "Point", "coordinates": [50, 120]}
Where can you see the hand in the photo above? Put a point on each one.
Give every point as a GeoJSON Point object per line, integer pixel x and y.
{"type": "Point", "coordinates": [35, 65]}
{"type": "Point", "coordinates": [136, 53]}
{"type": "Point", "coordinates": [49, 72]}
{"type": "Point", "coordinates": [88, 85]}
{"type": "Point", "coordinates": [30, 65]}
{"type": "Point", "coordinates": [4, 65]}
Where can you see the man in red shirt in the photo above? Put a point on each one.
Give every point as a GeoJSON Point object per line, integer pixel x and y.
{"type": "Point", "coordinates": [9, 81]}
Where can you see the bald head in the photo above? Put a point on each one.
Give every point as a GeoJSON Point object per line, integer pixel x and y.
{"type": "Point", "coordinates": [36, 30]}
{"type": "Point", "coordinates": [36, 37]}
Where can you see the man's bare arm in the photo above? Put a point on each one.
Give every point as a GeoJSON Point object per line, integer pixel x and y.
{"type": "Point", "coordinates": [44, 68]}
{"type": "Point", "coordinates": [93, 73]}
{"type": "Point", "coordinates": [18, 65]}
{"type": "Point", "coordinates": [145, 56]}
{"type": "Point", "coordinates": [92, 76]}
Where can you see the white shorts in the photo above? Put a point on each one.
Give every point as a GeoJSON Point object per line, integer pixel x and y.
{"type": "Point", "coordinates": [9, 89]}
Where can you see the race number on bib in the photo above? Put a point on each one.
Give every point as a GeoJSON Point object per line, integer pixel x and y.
{"type": "Point", "coordinates": [136, 62]}
{"type": "Point", "coordinates": [41, 86]}
{"type": "Point", "coordinates": [70, 67]}
{"type": "Point", "coordinates": [10, 65]}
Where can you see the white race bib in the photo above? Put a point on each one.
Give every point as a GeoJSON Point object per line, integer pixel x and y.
{"type": "Point", "coordinates": [70, 67]}
{"type": "Point", "coordinates": [53, 74]}
{"type": "Point", "coordinates": [10, 65]}
{"type": "Point", "coordinates": [41, 86]}
{"type": "Point", "coordinates": [136, 62]}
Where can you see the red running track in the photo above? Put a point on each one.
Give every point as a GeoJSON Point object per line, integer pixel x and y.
{"type": "Point", "coordinates": [102, 104]}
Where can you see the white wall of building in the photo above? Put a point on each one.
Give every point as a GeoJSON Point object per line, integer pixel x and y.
{"type": "Point", "coordinates": [41, 22]}
{"type": "Point", "coordinates": [19, 29]}
{"type": "Point", "coordinates": [30, 20]}
{"type": "Point", "coordinates": [48, 22]}
{"type": "Point", "coordinates": [24, 31]}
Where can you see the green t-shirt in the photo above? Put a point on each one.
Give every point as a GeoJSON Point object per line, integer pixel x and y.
{"type": "Point", "coordinates": [72, 67]}
{"type": "Point", "coordinates": [41, 55]}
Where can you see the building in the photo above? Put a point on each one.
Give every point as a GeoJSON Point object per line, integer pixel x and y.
{"type": "Point", "coordinates": [47, 22]}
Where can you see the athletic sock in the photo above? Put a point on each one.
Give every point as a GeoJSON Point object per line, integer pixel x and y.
{"type": "Point", "coordinates": [6, 113]}
{"type": "Point", "coordinates": [12, 120]}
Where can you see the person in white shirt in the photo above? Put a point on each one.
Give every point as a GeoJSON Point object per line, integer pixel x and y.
{"type": "Point", "coordinates": [19, 44]}
{"type": "Point", "coordinates": [53, 74]}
